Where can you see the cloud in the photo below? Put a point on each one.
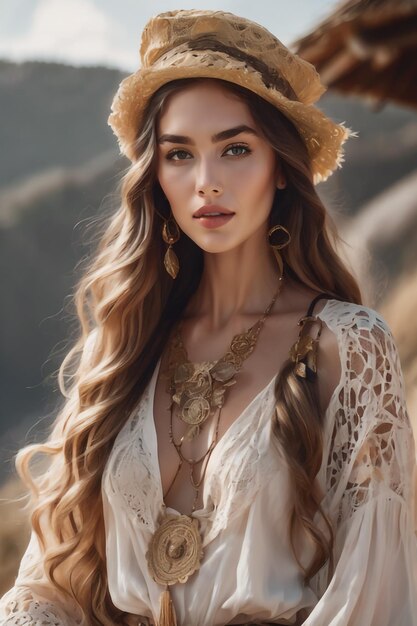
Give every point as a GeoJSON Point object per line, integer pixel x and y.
{"type": "Point", "coordinates": [104, 32]}
{"type": "Point", "coordinates": [70, 31]}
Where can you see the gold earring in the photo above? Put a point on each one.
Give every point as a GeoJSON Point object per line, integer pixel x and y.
{"type": "Point", "coordinates": [278, 245]}
{"type": "Point", "coordinates": [171, 234]}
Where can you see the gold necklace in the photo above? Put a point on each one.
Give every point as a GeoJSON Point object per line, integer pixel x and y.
{"type": "Point", "coordinates": [198, 389]}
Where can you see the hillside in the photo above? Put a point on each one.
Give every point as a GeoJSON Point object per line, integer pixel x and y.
{"type": "Point", "coordinates": [52, 115]}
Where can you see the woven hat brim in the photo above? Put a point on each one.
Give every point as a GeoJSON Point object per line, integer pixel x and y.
{"type": "Point", "coordinates": [323, 137]}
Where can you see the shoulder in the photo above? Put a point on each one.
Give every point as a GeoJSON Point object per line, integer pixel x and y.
{"type": "Point", "coordinates": [342, 316]}
{"type": "Point", "coordinates": [358, 329]}
{"type": "Point", "coordinates": [355, 341]}
{"type": "Point", "coordinates": [369, 411]}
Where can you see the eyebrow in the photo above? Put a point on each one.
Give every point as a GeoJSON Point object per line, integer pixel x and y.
{"type": "Point", "coordinates": [224, 134]}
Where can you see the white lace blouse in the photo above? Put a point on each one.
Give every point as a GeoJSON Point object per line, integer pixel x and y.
{"type": "Point", "coordinates": [249, 572]}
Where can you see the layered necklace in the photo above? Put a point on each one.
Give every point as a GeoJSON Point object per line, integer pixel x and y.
{"type": "Point", "coordinates": [198, 392]}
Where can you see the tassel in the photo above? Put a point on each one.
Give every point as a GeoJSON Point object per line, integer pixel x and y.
{"type": "Point", "coordinates": [167, 615]}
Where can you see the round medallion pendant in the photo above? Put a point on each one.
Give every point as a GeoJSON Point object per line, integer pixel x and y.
{"type": "Point", "coordinates": [175, 550]}
{"type": "Point", "coordinates": [195, 411]}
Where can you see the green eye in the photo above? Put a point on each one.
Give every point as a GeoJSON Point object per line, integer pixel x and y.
{"type": "Point", "coordinates": [170, 155]}
{"type": "Point", "coordinates": [239, 147]}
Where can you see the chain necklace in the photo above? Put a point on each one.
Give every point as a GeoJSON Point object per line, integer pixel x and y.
{"type": "Point", "coordinates": [198, 390]}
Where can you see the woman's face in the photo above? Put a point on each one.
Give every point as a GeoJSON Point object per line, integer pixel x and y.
{"type": "Point", "coordinates": [205, 157]}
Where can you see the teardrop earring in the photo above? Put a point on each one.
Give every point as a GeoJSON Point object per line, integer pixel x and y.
{"type": "Point", "coordinates": [278, 244]}
{"type": "Point", "coordinates": [171, 234]}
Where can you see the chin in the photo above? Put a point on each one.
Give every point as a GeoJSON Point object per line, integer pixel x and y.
{"type": "Point", "coordinates": [217, 240]}
{"type": "Point", "coordinates": [215, 247]}
{"type": "Point", "coordinates": [210, 241]}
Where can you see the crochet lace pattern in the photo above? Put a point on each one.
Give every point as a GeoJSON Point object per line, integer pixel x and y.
{"type": "Point", "coordinates": [35, 614]}
{"type": "Point", "coordinates": [371, 446]}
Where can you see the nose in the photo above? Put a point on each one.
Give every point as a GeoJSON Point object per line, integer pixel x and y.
{"type": "Point", "coordinates": [207, 182]}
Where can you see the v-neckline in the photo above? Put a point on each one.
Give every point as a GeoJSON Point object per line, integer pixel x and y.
{"type": "Point", "coordinates": [226, 434]}
{"type": "Point", "coordinates": [221, 441]}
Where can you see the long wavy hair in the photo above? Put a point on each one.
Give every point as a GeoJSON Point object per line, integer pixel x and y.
{"type": "Point", "coordinates": [127, 305]}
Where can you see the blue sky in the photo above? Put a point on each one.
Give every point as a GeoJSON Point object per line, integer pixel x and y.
{"type": "Point", "coordinates": [107, 32]}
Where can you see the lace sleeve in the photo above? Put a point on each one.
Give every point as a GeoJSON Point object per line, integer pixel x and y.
{"type": "Point", "coordinates": [373, 448]}
{"type": "Point", "coordinates": [32, 601]}
{"type": "Point", "coordinates": [370, 487]}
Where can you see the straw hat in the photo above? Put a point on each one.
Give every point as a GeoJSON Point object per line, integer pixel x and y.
{"type": "Point", "coordinates": [197, 43]}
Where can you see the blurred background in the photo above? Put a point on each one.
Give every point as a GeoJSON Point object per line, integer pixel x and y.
{"type": "Point", "coordinates": [61, 62]}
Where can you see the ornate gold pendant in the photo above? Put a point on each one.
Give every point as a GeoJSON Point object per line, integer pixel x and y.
{"type": "Point", "coordinates": [175, 550]}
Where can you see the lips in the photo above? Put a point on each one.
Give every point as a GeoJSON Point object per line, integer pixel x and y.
{"type": "Point", "coordinates": [210, 209]}
{"type": "Point", "coordinates": [215, 221]}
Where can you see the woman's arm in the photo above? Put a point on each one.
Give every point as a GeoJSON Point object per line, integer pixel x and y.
{"type": "Point", "coordinates": [33, 600]}
{"type": "Point", "coordinates": [370, 480]}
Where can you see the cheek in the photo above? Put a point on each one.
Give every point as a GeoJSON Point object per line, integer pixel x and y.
{"type": "Point", "coordinates": [165, 180]}
{"type": "Point", "coordinates": [259, 184]}
{"type": "Point", "coordinates": [173, 183]}
{"type": "Point", "coordinates": [259, 171]}
{"type": "Point", "coordinates": [177, 191]}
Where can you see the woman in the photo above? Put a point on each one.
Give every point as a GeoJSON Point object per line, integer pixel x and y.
{"type": "Point", "coordinates": [170, 498]}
